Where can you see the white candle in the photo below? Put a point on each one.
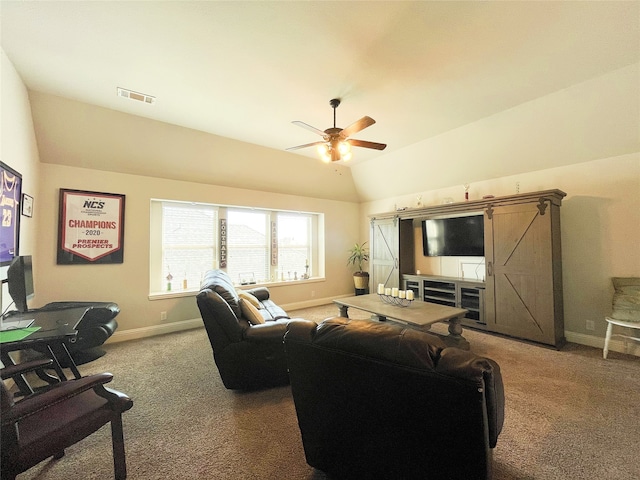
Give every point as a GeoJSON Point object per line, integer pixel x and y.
{"type": "Point", "coordinates": [387, 291]}
{"type": "Point", "coordinates": [409, 294]}
{"type": "Point", "coordinates": [380, 288]}
{"type": "Point", "coordinates": [394, 292]}
{"type": "Point", "coordinates": [402, 294]}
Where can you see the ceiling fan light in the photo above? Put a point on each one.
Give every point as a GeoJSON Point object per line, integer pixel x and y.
{"type": "Point", "coordinates": [346, 157]}
{"type": "Point", "coordinates": [324, 150]}
{"type": "Point", "coordinates": [344, 148]}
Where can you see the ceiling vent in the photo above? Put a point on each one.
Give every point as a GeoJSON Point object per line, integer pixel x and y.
{"type": "Point", "coordinates": [139, 97]}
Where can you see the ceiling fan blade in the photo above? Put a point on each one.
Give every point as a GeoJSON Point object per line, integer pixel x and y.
{"type": "Point", "coordinates": [309, 127]}
{"type": "Point", "coordinates": [366, 144]}
{"type": "Point", "coordinates": [356, 126]}
{"type": "Point", "coordinates": [305, 145]}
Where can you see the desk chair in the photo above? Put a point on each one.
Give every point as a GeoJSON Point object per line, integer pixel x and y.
{"type": "Point", "coordinates": [43, 424]}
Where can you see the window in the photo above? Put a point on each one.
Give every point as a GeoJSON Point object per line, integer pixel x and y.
{"type": "Point", "coordinates": [247, 246]}
{"type": "Point", "coordinates": [294, 244]}
{"type": "Point", "coordinates": [258, 246]}
{"type": "Point", "coordinates": [188, 243]}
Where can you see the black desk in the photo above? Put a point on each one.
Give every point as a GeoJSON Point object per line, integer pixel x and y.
{"type": "Point", "coordinates": [57, 328]}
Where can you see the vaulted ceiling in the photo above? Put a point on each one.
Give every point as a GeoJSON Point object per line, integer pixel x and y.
{"type": "Point", "coordinates": [246, 70]}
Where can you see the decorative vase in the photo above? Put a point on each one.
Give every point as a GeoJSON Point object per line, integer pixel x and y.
{"type": "Point", "coordinates": [361, 280]}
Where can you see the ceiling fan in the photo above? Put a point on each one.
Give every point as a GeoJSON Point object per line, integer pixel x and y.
{"type": "Point", "coordinates": [336, 144]}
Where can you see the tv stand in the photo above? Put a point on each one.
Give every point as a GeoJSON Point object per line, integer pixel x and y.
{"type": "Point", "coordinates": [452, 292]}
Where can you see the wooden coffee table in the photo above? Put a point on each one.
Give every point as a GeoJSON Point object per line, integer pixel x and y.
{"type": "Point", "coordinates": [418, 313]}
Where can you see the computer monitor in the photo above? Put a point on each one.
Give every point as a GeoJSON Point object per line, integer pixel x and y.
{"type": "Point", "coordinates": [20, 281]}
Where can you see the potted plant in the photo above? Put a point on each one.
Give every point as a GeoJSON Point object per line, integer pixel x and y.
{"type": "Point", "coordinates": [357, 256]}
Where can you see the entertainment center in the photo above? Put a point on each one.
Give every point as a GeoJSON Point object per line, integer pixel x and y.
{"type": "Point", "coordinates": [521, 295]}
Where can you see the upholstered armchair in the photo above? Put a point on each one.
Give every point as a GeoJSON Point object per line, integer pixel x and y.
{"type": "Point", "coordinates": [43, 424]}
{"type": "Point", "coordinates": [246, 330]}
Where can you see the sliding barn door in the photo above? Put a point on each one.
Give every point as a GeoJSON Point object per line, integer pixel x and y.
{"type": "Point", "coordinates": [384, 253]}
{"type": "Point", "coordinates": [524, 281]}
{"type": "Point", "coordinates": [391, 251]}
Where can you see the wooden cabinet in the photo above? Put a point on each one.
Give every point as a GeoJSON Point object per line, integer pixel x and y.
{"type": "Point", "coordinates": [524, 271]}
{"type": "Point", "coordinates": [391, 251]}
{"type": "Point", "coordinates": [523, 294]}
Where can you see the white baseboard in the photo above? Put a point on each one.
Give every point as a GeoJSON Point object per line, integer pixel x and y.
{"type": "Point", "coordinates": [615, 345]}
{"type": "Point", "coordinates": [144, 332]}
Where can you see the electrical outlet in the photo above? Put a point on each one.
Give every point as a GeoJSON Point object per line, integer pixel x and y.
{"type": "Point", "coordinates": [163, 316]}
{"type": "Point", "coordinates": [591, 325]}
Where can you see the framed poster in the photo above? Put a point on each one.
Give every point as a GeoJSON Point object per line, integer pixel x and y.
{"type": "Point", "coordinates": [90, 227]}
{"type": "Point", "coordinates": [27, 205]}
{"type": "Point", "coordinates": [10, 197]}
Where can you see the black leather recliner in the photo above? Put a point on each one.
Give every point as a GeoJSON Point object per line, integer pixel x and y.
{"type": "Point", "coordinates": [248, 356]}
{"type": "Point", "coordinates": [377, 400]}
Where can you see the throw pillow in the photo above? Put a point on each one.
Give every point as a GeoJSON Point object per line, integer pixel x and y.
{"type": "Point", "coordinates": [626, 299]}
{"type": "Point", "coordinates": [250, 298]}
{"type": "Point", "coordinates": [250, 312]}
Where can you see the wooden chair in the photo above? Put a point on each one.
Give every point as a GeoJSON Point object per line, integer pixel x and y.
{"type": "Point", "coordinates": [626, 310]}
{"type": "Point", "coordinates": [621, 323]}
{"type": "Point", "coordinates": [44, 423]}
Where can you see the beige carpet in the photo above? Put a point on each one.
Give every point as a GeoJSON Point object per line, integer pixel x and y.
{"type": "Point", "coordinates": [569, 415]}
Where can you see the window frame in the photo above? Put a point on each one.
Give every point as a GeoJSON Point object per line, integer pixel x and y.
{"type": "Point", "coordinates": [316, 245]}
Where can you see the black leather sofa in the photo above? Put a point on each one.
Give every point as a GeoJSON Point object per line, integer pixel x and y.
{"type": "Point", "coordinates": [380, 401]}
{"type": "Point", "coordinates": [248, 356]}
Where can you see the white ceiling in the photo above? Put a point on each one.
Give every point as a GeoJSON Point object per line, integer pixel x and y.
{"type": "Point", "coordinates": [245, 70]}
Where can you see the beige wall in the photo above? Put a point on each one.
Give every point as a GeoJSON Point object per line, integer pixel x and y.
{"type": "Point", "coordinates": [77, 134]}
{"type": "Point", "coordinates": [600, 221]}
{"type": "Point", "coordinates": [18, 148]}
{"type": "Point", "coordinates": [595, 119]}
{"type": "Point", "coordinates": [128, 283]}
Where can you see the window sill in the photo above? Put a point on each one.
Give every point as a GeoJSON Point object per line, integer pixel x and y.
{"type": "Point", "coordinates": [193, 293]}
{"type": "Point", "coordinates": [172, 294]}
{"type": "Point", "coordinates": [281, 283]}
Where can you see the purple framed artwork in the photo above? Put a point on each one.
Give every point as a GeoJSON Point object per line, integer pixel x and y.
{"type": "Point", "coordinates": [10, 198]}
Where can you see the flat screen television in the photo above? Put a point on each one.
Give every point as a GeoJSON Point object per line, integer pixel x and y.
{"type": "Point", "coordinates": [20, 281]}
{"type": "Point", "coordinates": [453, 237]}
